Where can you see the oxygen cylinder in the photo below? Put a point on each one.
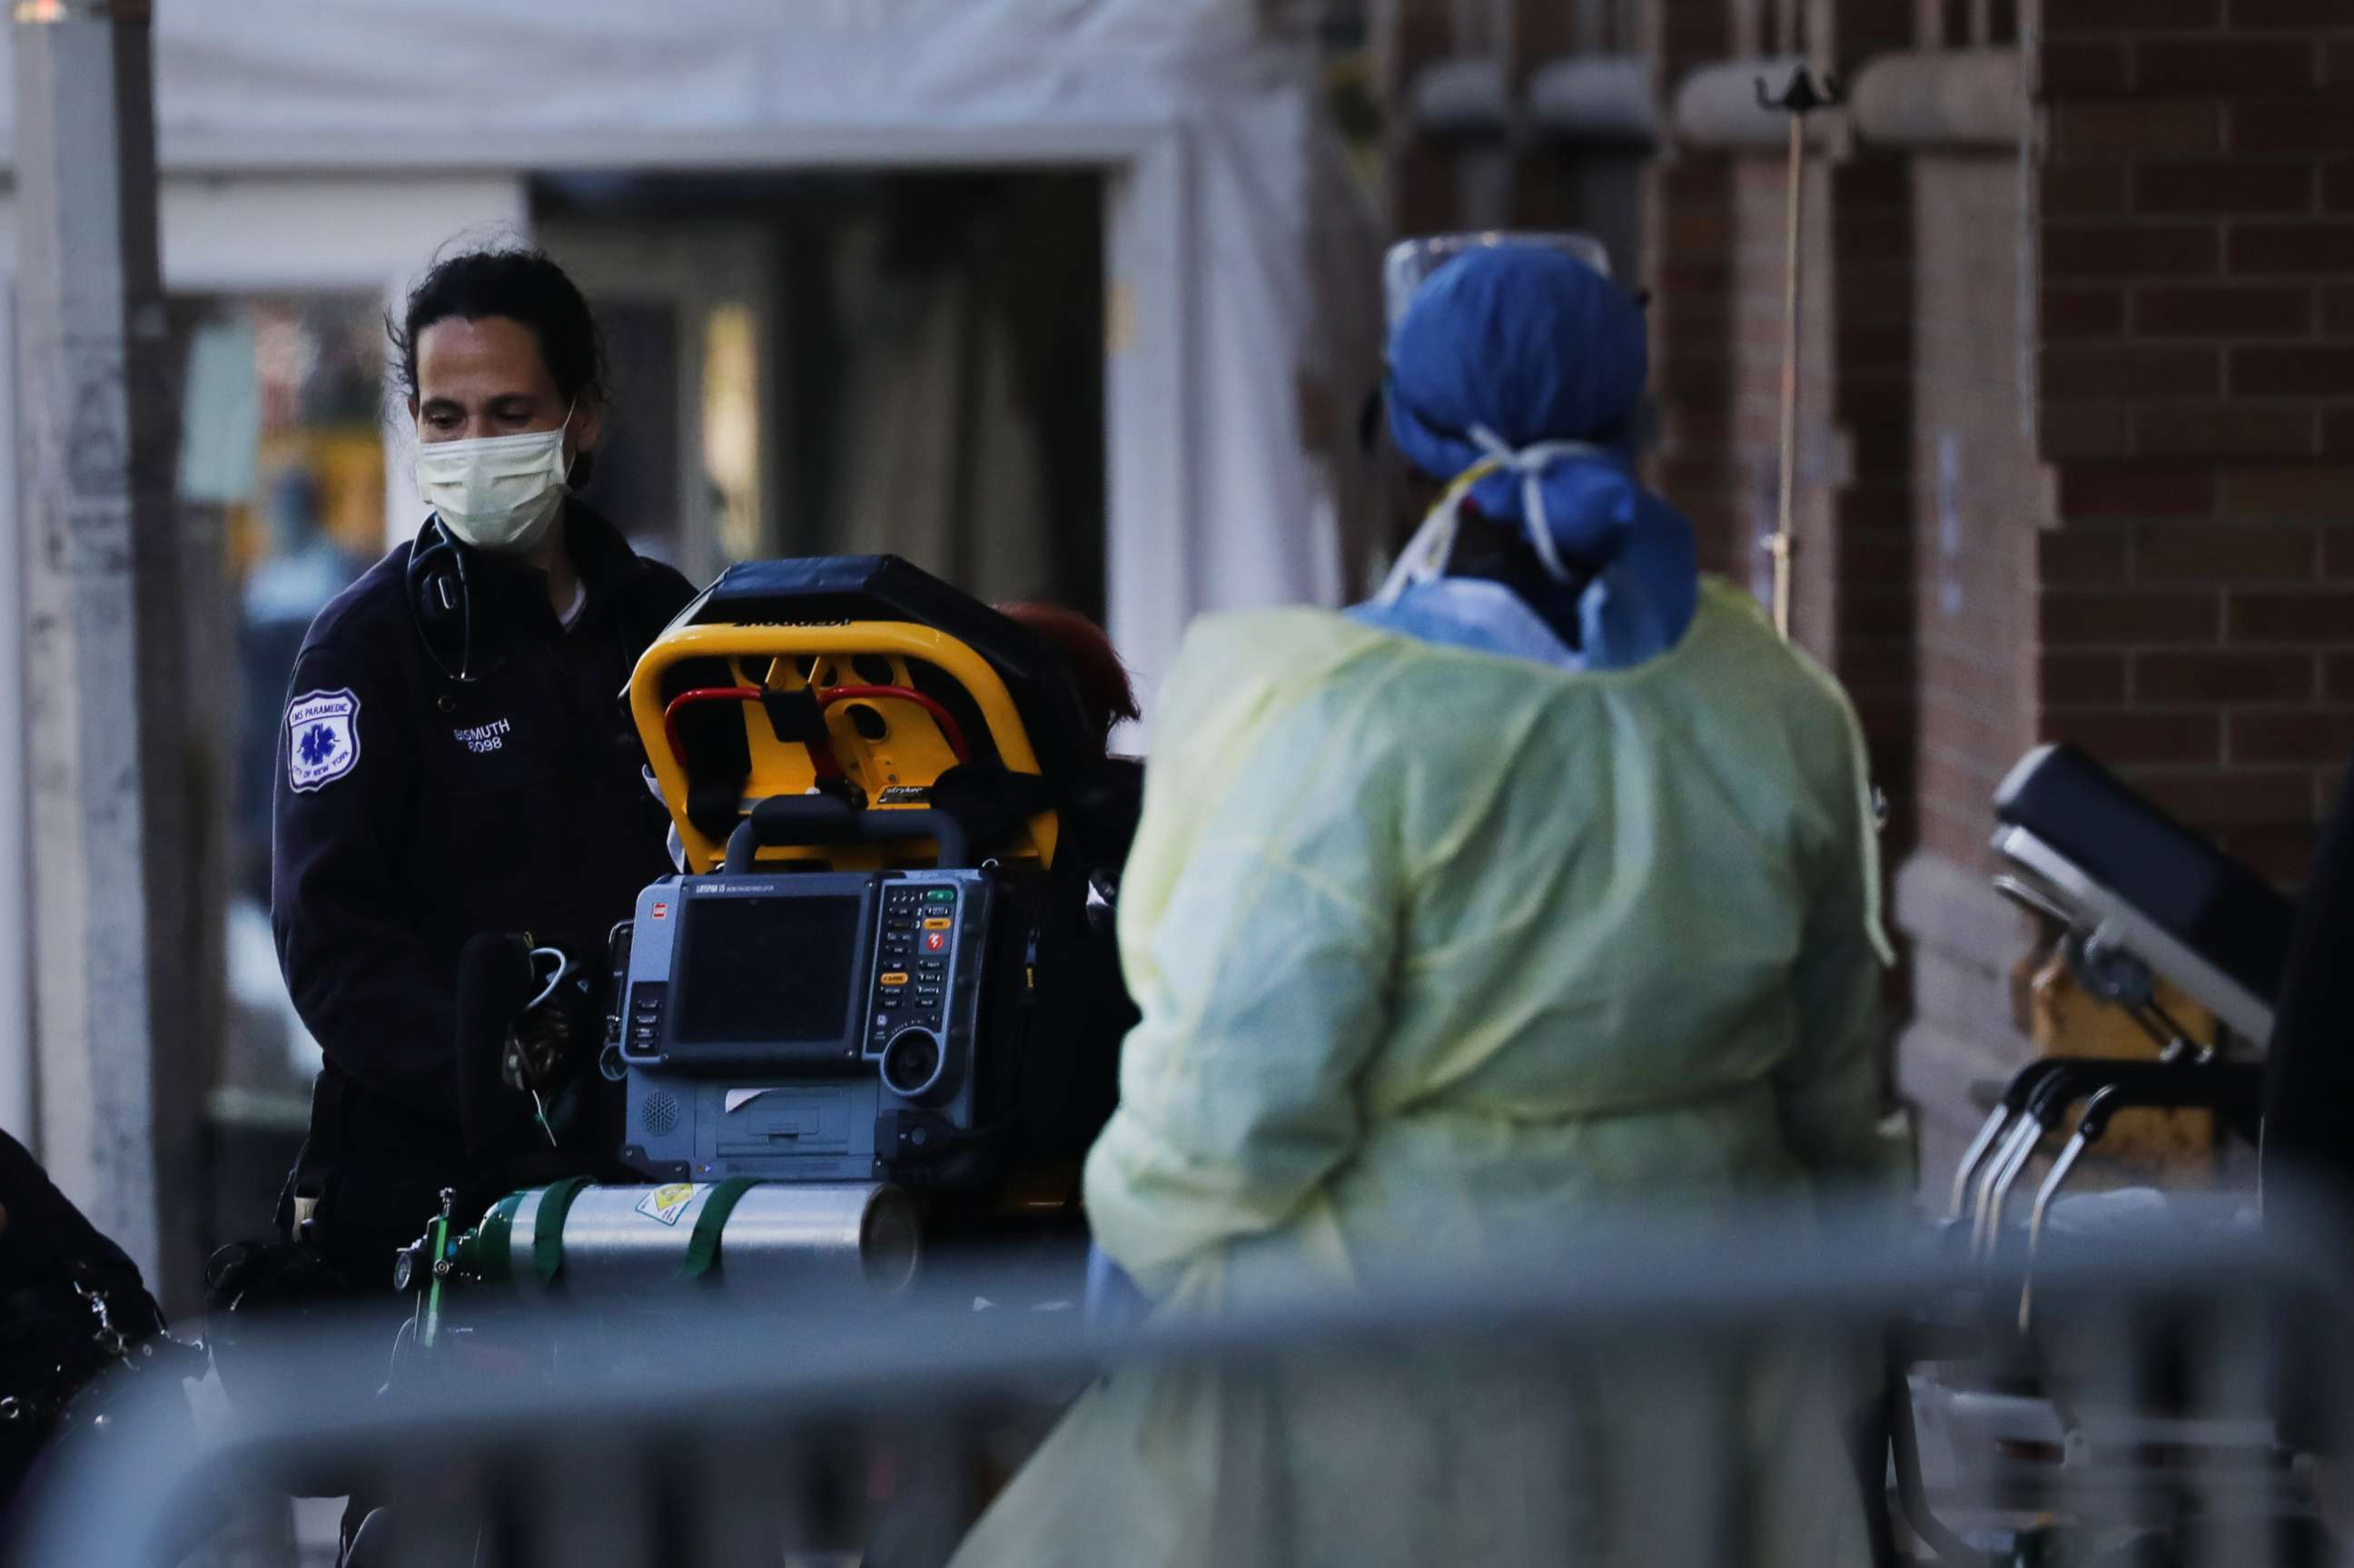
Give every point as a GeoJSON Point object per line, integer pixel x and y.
{"type": "Point", "coordinates": [752, 1243]}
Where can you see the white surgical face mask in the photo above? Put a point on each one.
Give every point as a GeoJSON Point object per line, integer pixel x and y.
{"type": "Point", "coordinates": [498, 494]}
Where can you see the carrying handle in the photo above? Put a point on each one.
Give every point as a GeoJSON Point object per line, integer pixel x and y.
{"type": "Point", "coordinates": [823, 820]}
{"type": "Point", "coordinates": [764, 645]}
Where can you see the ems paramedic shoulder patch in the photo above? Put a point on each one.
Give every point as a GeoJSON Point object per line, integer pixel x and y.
{"type": "Point", "coordinates": [322, 738]}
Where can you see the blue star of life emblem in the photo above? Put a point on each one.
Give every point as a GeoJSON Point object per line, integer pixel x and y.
{"type": "Point", "coordinates": [319, 743]}
{"type": "Point", "coordinates": [323, 730]}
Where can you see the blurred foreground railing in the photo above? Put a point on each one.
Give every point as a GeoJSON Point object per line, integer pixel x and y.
{"type": "Point", "coordinates": [1651, 1396]}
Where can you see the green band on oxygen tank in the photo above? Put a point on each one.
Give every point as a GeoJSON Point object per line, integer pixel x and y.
{"type": "Point", "coordinates": [547, 1229]}
{"type": "Point", "coordinates": [493, 1260]}
{"type": "Point", "coordinates": [703, 1246]}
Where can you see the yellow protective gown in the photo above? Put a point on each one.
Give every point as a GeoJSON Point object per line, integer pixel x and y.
{"type": "Point", "coordinates": [1440, 955]}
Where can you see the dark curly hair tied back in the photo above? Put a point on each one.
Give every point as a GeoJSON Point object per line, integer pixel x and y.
{"type": "Point", "coordinates": [520, 284]}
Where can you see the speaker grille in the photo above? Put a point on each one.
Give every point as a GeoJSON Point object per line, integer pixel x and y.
{"type": "Point", "coordinates": [658, 1112]}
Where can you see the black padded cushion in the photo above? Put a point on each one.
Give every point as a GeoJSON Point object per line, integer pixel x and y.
{"type": "Point", "coordinates": [2212, 904]}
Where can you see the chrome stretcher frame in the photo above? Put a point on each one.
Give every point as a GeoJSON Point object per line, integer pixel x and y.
{"type": "Point", "coordinates": [2137, 896]}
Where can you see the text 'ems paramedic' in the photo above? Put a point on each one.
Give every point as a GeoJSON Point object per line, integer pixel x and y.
{"type": "Point", "coordinates": [454, 758]}
{"type": "Point", "coordinates": [1543, 884]}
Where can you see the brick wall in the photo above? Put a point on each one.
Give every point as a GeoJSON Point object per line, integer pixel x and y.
{"type": "Point", "coordinates": [1759, 237]}
{"type": "Point", "coordinates": [1409, 35]}
{"type": "Point", "coordinates": [1689, 227]}
{"type": "Point", "coordinates": [1975, 509]}
{"type": "Point", "coordinates": [1975, 504]}
{"type": "Point", "coordinates": [1871, 632]}
{"type": "Point", "coordinates": [2196, 367]}
{"type": "Point", "coordinates": [2155, 572]}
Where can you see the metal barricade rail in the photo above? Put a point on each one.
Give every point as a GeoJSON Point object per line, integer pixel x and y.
{"type": "Point", "coordinates": [1652, 1395]}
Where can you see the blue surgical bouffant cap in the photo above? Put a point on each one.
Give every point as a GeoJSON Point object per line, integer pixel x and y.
{"type": "Point", "coordinates": [1531, 343]}
{"type": "Point", "coordinates": [1526, 355]}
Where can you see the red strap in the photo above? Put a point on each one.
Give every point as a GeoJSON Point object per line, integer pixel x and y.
{"type": "Point", "coordinates": [950, 731]}
{"type": "Point", "coordinates": [696, 698]}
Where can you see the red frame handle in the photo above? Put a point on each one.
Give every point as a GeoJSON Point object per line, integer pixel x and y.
{"type": "Point", "coordinates": [696, 698]}
{"type": "Point", "coordinates": [950, 731]}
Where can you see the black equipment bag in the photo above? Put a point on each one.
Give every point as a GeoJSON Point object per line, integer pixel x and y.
{"type": "Point", "coordinates": [76, 1319]}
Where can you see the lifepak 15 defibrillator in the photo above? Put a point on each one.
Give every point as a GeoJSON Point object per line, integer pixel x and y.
{"type": "Point", "coordinates": [816, 1027]}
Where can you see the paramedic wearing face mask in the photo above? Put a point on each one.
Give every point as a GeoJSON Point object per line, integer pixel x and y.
{"type": "Point", "coordinates": [1544, 882]}
{"type": "Point", "coordinates": [453, 759]}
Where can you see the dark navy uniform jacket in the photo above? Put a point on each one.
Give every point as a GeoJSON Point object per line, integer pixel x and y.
{"type": "Point", "coordinates": [413, 812]}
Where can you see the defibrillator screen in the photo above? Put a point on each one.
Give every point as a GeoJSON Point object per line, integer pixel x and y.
{"type": "Point", "coordinates": [756, 971]}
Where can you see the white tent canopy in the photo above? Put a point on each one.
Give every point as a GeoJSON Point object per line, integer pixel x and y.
{"type": "Point", "coordinates": [1241, 267]}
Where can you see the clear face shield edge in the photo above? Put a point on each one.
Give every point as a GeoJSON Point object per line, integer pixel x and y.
{"type": "Point", "coordinates": [1410, 262]}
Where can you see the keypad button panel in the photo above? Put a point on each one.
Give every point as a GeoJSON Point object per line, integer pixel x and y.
{"type": "Point", "coordinates": [915, 956]}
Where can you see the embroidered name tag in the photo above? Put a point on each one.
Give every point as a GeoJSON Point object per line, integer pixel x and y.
{"type": "Point", "coordinates": [322, 738]}
{"type": "Point", "coordinates": [484, 738]}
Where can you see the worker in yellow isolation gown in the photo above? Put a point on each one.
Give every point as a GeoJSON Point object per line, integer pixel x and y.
{"type": "Point", "coordinates": [1543, 882]}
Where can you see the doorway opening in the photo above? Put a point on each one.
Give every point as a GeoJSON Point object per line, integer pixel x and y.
{"type": "Point", "coordinates": [909, 362]}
